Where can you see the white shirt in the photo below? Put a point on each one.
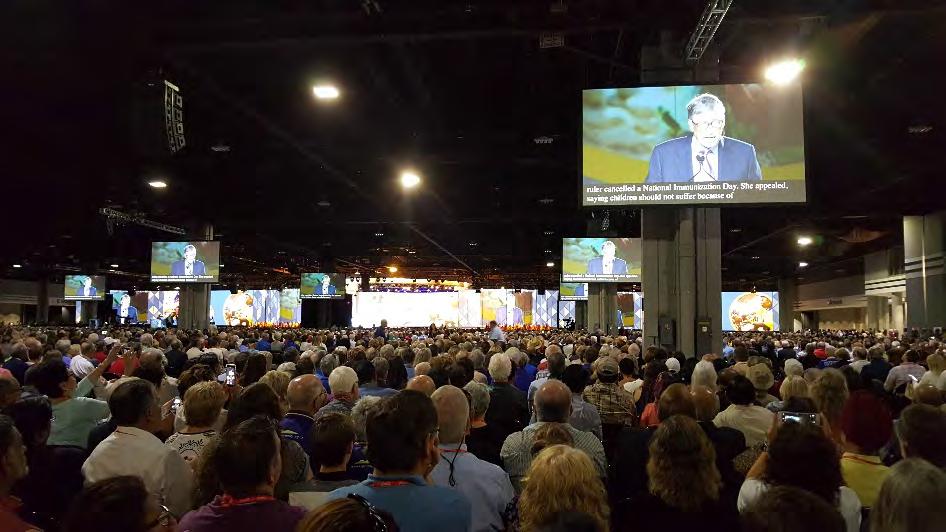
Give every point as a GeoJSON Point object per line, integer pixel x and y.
{"type": "Point", "coordinates": [132, 451]}
{"type": "Point", "coordinates": [81, 366]}
{"type": "Point", "coordinates": [193, 352]}
{"type": "Point", "coordinates": [188, 268]}
{"type": "Point", "coordinates": [848, 503]}
{"type": "Point", "coordinates": [607, 265]}
{"type": "Point", "coordinates": [486, 485]}
{"type": "Point", "coordinates": [709, 169]}
{"type": "Point", "coordinates": [497, 334]}
{"type": "Point", "coordinates": [752, 421]}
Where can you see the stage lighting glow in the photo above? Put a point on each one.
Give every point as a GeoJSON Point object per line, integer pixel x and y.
{"type": "Point", "coordinates": [784, 72]}
{"type": "Point", "coordinates": [802, 264]}
{"type": "Point", "coordinates": [550, 264]}
{"type": "Point", "coordinates": [326, 92]}
{"type": "Point", "coordinates": [805, 241]}
{"type": "Point", "coordinates": [409, 179]}
{"type": "Point", "coordinates": [113, 265]}
{"type": "Point", "coordinates": [157, 184]}
{"type": "Point", "coordinates": [392, 269]}
{"type": "Point", "coordinates": [17, 266]}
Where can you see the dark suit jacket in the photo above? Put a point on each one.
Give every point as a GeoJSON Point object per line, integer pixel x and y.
{"type": "Point", "coordinates": [331, 290]}
{"type": "Point", "coordinates": [672, 161]}
{"type": "Point", "coordinates": [176, 361]}
{"type": "Point", "coordinates": [596, 266]}
{"type": "Point", "coordinates": [131, 318]}
{"type": "Point", "coordinates": [508, 410]}
{"type": "Point", "coordinates": [177, 268]}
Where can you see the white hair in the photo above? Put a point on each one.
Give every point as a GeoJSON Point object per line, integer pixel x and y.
{"type": "Point", "coordinates": [500, 367]}
{"type": "Point", "coordinates": [704, 374]}
{"type": "Point", "coordinates": [343, 379]}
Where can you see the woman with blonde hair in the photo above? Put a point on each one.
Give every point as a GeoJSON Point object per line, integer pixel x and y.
{"type": "Point", "coordinates": [830, 393]}
{"type": "Point", "coordinates": [686, 489]}
{"type": "Point", "coordinates": [792, 386]}
{"type": "Point", "coordinates": [279, 382]}
{"type": "Point", "coordinates": [562, 479]}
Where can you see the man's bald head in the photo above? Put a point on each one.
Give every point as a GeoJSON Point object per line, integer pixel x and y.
{"type": "Point", "coordinates": [423, 384]}
{"type": "Point", "coordinates": [553, 402]}
{"type": "Point", "coordinates": [676, 399]}
{"type": "Point", "coordinates": [928, 394]}
{"type": "Point", "coordinates": [305, 393]}
{"type": "Point", "coordinates": [704, 402]}
{"type": "Point", "coordinates": [453, 414]}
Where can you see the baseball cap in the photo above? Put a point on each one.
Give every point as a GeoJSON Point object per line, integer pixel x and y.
{"type": "Point", "coordinates": [673, 364]}
{"type": "Point", "coordinates": [607, 367]}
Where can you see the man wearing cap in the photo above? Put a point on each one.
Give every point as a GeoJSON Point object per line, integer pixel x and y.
{"type": "Point", "coordinates": [614, 404]}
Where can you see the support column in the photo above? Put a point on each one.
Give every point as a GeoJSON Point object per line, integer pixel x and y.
{"type": "Point", "coordinates": [42, 300]}
{"type": "Point", "coordinates": [923, 251]}
{"type": "Point", "coordinates": [787, 296]}
{"type": "Point", "coordinates": [681, 278]}
{"type": "Point", "coordinates": [878, 312]}
{"type": "Point", "coordinates": [602, 307]}
{"type": "Point", "coordinates": [88, 311]}
{"type": "Point", "coordinates": [897, 312]}
{"type": "Point", "coordinates": [195, 298]}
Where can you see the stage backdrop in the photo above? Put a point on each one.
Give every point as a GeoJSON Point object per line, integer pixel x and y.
{"type": "Point", "coordinates": [466, 308]}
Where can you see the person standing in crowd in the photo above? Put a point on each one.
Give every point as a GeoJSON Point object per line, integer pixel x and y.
{"type": "Point", "coordinates": [867, 426]}
{"type": "Point", "coordinates": [614, 405]}
{"type": "Point", "coordinates": [830, 394]}
{"type": "Point", "coordinates": [119, 504]}
{"type": "Point", "coordinates": [562, 480]}
{"type": "Point", "coordinates": [382, 330]}
{"type": "Point", "coordinates": [485, 485]}
{"type": "Point", "coordinates": [743, 414]}
{"type": "Point", "coordinates": [495, 333]}
{"type": "Point", "coordinates": [403, 446]}
{"type": "Point", "coordinates": [509, 410]}
{"type": "Point", "coordinates": [344, 384]}
{"type": "Point", "coordinates": [332, 439]}
{"type": "Point", "coordinates": [306, 396]}
{"type": "Point", "coordinates": [552, 405]}
{"type": "Point", "coordinates": [248, 466]}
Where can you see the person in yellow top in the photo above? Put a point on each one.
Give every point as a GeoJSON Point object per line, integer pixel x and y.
{"type": "Point", "coordinates": [867, 426]}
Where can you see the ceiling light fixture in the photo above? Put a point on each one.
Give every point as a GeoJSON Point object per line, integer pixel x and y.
{"type": "Point", "coordinates": [114, 265]}
{"type": "Point", "coordinates": [409, 179]}
{"type": "Point", "coordinates": [802, 264]}
{"type": "Point", "coordinates": [392, 269]}
{"type": "Point", "coordinates": [326, 92]}
{"type": "Point", "coordinates": [550, 264]}
{"type": "Point", "coordinates": [157, 183]}
{"type": "Point", "coordinates": [784, 72]}
{"type": "Point", "coordinates": [17, 266]}
{"type": "Point", "coordinates": [805, 241]}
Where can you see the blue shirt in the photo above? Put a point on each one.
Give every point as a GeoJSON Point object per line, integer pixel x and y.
{"type": "Point", "coordinates": [485, 485]}
{"type": "Point", "coordinates": [375, 390]}
{"type": "Point", "coordinates": [295, 426]}
{"type": "Point", "coordinates": [322, 377]}
{"type": "Point", "coordinates": [263, 345]}
{"type": "Point", "coordinates": [415, 505]}
{"type": "Point", "coordinates": [525, 376]}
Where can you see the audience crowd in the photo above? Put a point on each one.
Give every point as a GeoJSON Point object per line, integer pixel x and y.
{"type": "Point", "coordinates": [350, 430]}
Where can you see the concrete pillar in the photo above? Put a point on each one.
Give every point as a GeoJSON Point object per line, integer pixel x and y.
{"type": "Point", "coordinates": [787, 296]}
{"type": "Point", "coordinates": [42, 300]}
{"type": "Point", "coordinates": [923, 250]}
{"type": "Point", "coordinates": [602, 307]}
{"type": "Point", "coordinates": [681, 278]}
{"type": "Point", "coordinates": [897, 312]}
{"type": "Point", "coordinates": [195, 298]}
{"type": "Point", "coordinates": [87, 311]}
{"type": "Point", "coordinates": [878, 312]}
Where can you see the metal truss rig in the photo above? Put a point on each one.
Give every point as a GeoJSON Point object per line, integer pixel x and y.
{"type": "Point", "coordinates": [112, 217]}
{"type": "Point", "coordinates": [706, 28]}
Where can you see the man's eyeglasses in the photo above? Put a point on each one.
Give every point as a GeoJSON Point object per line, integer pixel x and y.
{"type": "Point", "coordinates": [376, 519]}
{"type": "Point", "coordinates": [165, 518]}
{"type": "Point", "coordinates": [718, 123]}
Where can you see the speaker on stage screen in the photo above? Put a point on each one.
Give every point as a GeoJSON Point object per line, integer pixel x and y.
{"type": "Point", "coordinates": [601, 260]}
{"type": "Point", "coordinates": [185, 262]}
{"type": "Point", "coordinates": [322, 286]}
{"type": "Point", "coordinates": [84, 287]}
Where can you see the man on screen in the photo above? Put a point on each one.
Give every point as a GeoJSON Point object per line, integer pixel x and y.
{"type": "Point", "coordinates": [189, 266]}
{"type": "Point", "coordinates": [87, 289]}
{"type": "Point", "coordinates": [326, 288]}
{"type": "Point", "coordinates": [705, 155]}
{"type": "Point", "coordinates": [607, 263]}
{"type": "Point", "coordinates": [126, 313]}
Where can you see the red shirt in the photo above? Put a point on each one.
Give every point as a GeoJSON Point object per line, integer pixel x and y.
{"type": "Point", "coordinates": [100, 356]}
{"type": "Point", "coordinates": [118, 367]}
{"type": "Point", "coordinates": [9, 521]}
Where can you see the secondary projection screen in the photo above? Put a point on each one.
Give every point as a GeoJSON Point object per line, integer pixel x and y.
{"type": "Point", "coordinates": [322, 286]}
{"type": "Point", "coordinates": [405, 309]}
{"type": "Point", "coordinates": [750, 311]}
{"type": "Point", "coordinates": [185, 262]}
{"type": "Point", "coordinates": [601, 260]}
{"type": "Point", "coordinates": [696, 144]}
{"type": "Point", "coordinates": [573, 291]}
{"type": "Point", "coordinates": [84, 287]}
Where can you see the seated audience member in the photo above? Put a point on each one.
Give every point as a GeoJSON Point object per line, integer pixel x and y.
{"type": "Point", "coordinates": [743, 414]}
{"type": "Point", "coordinates": [614, 405]}
{"type": "Point", "coordinates": [830, 393]}
{"type": "Point", "coordinates": [351, 514]}
{"type": "Point", "coordinates": [10, 390]}
{"type": "Point", "coordinates": [332, 438]}
{"type": "Point", "coordinates": [358, 466]}
{"type": "Point", "coordinates": [877, 369]}
{"type": "Point", "coordinates": [484, 440]}
{"type": "Point", "coordinates": [867, 427]}
{"type": "Point", "coordinates": [800, 455]}
{"type": "Point", "coordinates": [909, 371]}
{"type": "Point", "coordinates": [556, 365]}
{"type": "Point", "coordinates": [368, 380]}
{"type": "Point", "coordinates": [509, 411]}
{"type": "Point", "coordinates": [118, 504]}
{"type": "Point", "coordinates": [423, 384]}
{"type": "Point", "coordinates": [761, 377]}
{"type": "Point", "coordinates": [792, 386]}
{"type": "Point", "coordinates": [151, 369]}
{"type": "Point", "coordinates": [13, 468]}
{"type": "Point", "coordinates": [306, 396]}
{"type": "Point", "coordinates": [935, 363]}
{"type": "Point", "coordinates": [17, 363]}
{"type": "Point", "coordinates": [74, 415]}
{"type": "Point", "coordinates": [176, 358]}
{"type": "Point", "coordinates": [32, 414]}
{"type": "Point", "coordinates": [247, 462]}
{"type": "Point", "coordinates": [584, 415]}
{"type": "Point", "coordinates": [727, 442]}
{"type": "Point", "coordinates": [788, 509]}
{"type": "Point", "coordinates": [922, 433]}
{"type": "Point", "coordinates": [562, 480]}
{"type": "Point", "coordinates": [327, 365]}
{"type": "Point", "coordinates": [133, 449]}
{"type": "Point", "coordinates": [630, 379]}
{"type": "Point", "coordinates": [253, 370]}
{"type": "Point", "coordinates": [403, 447]}
{"type": "Point", "coordinates": [279, 382]}
{"type": "Point", "coordinates": [913, 499]}
{"type": "Point", "coordinates": [81, 364]}
{"type": "Point", "coordinates": [189, 377]}
{"type": "Point", "coordinates": [203, 403]}
{"type": "Point", "coordinates": [552, 405]}
{"type": "Point", "coordinates": [485, 485]}
{"type": "Point", "coordinates": [343, 382]}
{"type": "Point", "coordinates": [685, 486]}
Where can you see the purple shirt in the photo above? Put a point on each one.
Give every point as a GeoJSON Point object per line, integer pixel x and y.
{"type": "Point", "coordinates": [266, 515]}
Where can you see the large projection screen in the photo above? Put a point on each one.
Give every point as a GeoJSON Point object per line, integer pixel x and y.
{"type": "Point", "coordinates": [185, 262]}
{"type": "Point", "coordinates": [750, 311]}
{"type": "Point", "coordinates": [695, 144]}
{"type": "Point", "coordinates": [601, 260]}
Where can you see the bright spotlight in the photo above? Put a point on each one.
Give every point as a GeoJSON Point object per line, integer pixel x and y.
{"type": "Point", "coordinates": [409, 179]}
{"type": "Point", "coordinates": [114, 265]}
{"type": "Point", "coordinates": [17, 266]}
{"type": "Point", "coordinates": [326, 92]}
{"type": "Point", "coordinates": [550, 264]}
{"type": "Point", "coordinates": [784, 72]}
{"type": "Point", "coordinates": [392, 269]}
{"type": "Point", "coordinates": [157, 184]}
{"type": "Point", "coordinates": [802, 264]}
{"type": "Point", "coordinates": [805, 241]}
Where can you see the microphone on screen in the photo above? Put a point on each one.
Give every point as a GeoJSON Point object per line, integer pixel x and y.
{"type": "Point", "coordinates": [700, 158]}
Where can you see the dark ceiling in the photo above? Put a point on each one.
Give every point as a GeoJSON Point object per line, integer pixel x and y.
{"type": "Point", "coordinates": [459, 91]}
